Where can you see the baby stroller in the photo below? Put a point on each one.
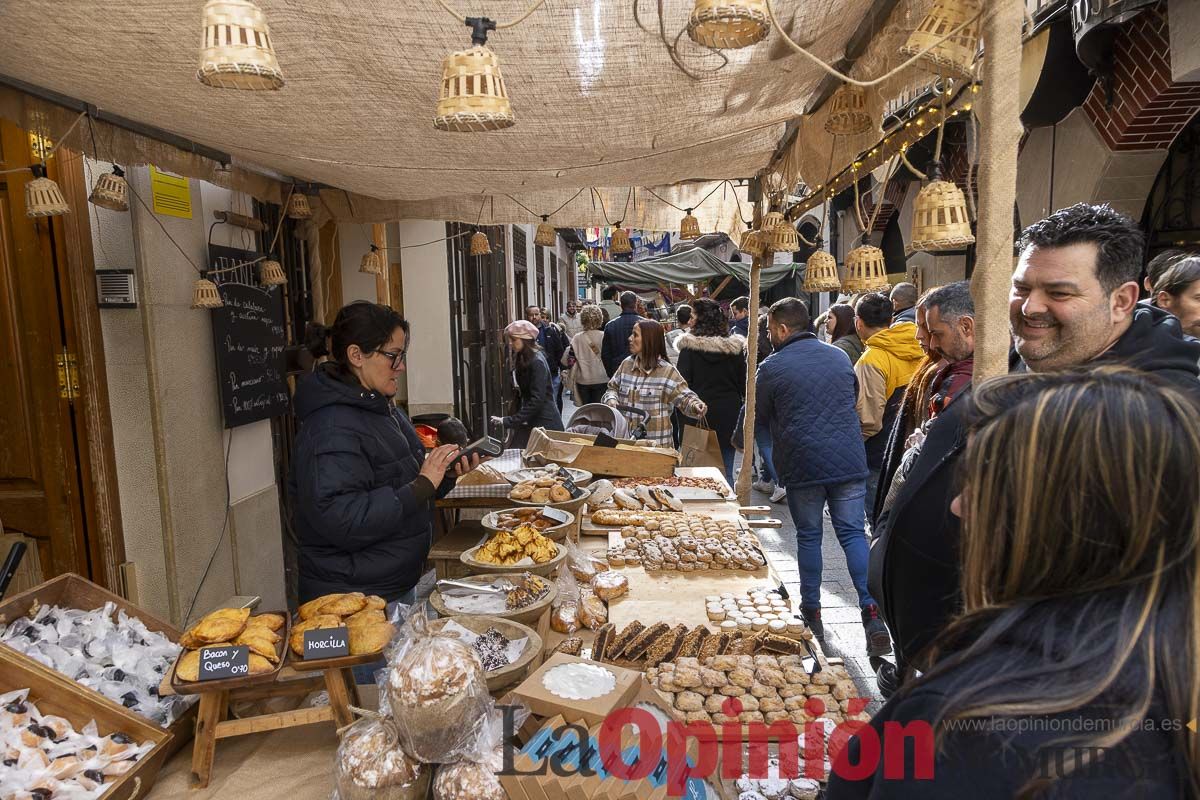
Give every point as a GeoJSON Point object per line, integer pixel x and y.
{"type": "Point", "coordinates": [595, 418]}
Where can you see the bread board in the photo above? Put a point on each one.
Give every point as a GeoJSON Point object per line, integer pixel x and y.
{"type": "Point", "coordinates": [183, 687]}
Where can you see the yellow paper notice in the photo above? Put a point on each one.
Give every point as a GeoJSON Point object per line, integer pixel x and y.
{"type": "Point", "coordinates": [172, 194]}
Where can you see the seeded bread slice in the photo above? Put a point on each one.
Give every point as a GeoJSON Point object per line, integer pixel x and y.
{"type": "Point", "coordinates": [603, 637]}
{"type": "Point", "coordinates": [637, 648]}
{"type": "Point", "coordinates": [690, 647]}
{"type": "Point", "coordinates": [620, 641]}
{"type": "Point", "coordinates": [664, 647]}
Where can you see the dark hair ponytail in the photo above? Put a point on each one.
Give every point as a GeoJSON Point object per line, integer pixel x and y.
{"type": "Point", "coordinates": [368, 325]}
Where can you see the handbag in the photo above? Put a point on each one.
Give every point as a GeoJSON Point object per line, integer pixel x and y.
{"type": "Point", "coordinates": [700, 447]}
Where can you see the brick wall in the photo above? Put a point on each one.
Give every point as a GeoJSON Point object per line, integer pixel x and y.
{"type": "Point", "coordinates": [1148, 111]}
{"type": "Point", "coordinates": [893, 198]}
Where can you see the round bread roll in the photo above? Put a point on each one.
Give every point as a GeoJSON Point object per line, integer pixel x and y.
{"type": "Point", "coordinates": [466, 780]}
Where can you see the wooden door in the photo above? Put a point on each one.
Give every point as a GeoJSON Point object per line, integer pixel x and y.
{"type": "Point", "coordinates": [40, 494]}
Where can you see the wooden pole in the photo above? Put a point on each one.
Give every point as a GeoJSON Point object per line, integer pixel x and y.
{"type": "Point", "coordinates": [743, 478]}
{"type": "Point", "coordinates": [999, 139]}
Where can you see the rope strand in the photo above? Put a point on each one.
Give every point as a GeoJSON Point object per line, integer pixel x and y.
{"type": "Point", "coordinates": [499, 26]}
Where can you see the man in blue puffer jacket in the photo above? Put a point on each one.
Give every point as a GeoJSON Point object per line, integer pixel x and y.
{"type": "Point", "coordinates": [806, 391]}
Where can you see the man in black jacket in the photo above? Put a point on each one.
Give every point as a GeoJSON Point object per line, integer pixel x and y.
{"type": "Point", "coordinates": [1073, 302]}
{"type": "Point", "coordinates": [615, 346]}
{"type": "Point", "coordinates": [553, 343]}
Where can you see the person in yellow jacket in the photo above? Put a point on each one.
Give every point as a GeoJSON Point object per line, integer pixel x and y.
{"type": "Point", "coordinates": [891, 357]}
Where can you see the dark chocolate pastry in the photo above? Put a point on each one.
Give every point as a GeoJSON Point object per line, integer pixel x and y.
{"type": "Point", "coordinates": [637, 648]}
{"type": "Point", "coordinates": [572, 646]}
{"type": "Point", "coordinates": [664, 647]}
{"type": "Point", "coordinates": [621, 640]}
{"type": "Point", "coordinates": [601, 642]}
{"type": "Point", "coordinates": [690, 646]}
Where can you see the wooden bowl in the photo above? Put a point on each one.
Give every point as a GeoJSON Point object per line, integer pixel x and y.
{"type": "Point", "coordinates": [581, 476]}
{"type": "Point", "coordinates": [514, 672]}
{"type": "Point", "coordinates": [527, 615]}
{"type": "Point", "coordinates": [544, 569]}
{"type": "Point", "coordinates": [556, 532]}
{"type": "Point", "coordinates": [572, 506]}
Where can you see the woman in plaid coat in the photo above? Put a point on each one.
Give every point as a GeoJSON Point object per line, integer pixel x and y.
{"type": "Point", "coordinates": [647, 380]}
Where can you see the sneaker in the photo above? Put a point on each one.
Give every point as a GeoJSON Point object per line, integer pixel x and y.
{"type": "Point", "coordinates": [766, 487]}
{"type": "Point", "coordinates": [812, 618]}
{"type": "Point", "coordinates": [879, 642]}
{"type": "Point", "coordinates": [779, 495]}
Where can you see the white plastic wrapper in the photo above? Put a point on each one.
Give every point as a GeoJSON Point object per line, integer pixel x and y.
{"type": "Point", "coordinates": [474, 777]}
{"type": "Point", "coordinates": [371, 765]}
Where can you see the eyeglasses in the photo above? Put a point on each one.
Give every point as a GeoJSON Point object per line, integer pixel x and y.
{"type": "Point", "coordinates": [397, 358]}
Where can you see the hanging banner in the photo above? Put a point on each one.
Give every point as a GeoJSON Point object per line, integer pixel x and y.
{"type": "Point", "coordinates": [172, 194]}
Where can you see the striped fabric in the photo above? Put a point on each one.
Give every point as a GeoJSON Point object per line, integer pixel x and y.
{"type": "Point", "coordinates": [657, 392]}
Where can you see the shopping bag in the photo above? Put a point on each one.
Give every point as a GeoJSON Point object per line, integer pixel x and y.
{"type": "Point", "coordinates": [700, 447]}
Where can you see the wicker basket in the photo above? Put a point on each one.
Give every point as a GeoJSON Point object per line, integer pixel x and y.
{"type": "Point", "coordinates": [955, 56]}
{"type": "Point", "coordinates": [372, 262]}
{"type": "Point", "coordinates": [848, 115]}
{"type": "Point", "coordinates": [866, 270]}
{"type": "Point", "coordinates": [111, 191]}
{"type": "Point", "coordinates": [43, 198]}
{"type": "Point", "coordinates": [271, 273]}
{"type": "Point", "coordinates": [480, 246]}
{"type": "Point", "coordinates": [689, 227]}
{"type": "Point", "coordinates": [545, 235]}
{"type": "Point", "coordinates": [821, 273]}
{"type": "Point", "coordinates": [620, 241]}
{"type": "Point", "coordinates": [237, 51]}
{"type": "Point", "coordinates": [298, 206]}
{"type": "Point", "coordinates": [940, 219]}
{"type": "Point", "coordinates": [752, 243]}
{"type": "Point", "coordinates": [729, 24]}
{"type": "Point", "coordinates": [473, 96]}
{"type": "Point", "coordinates": [205, 294]}
{"type": "Point", "coordinates": [777, 235]}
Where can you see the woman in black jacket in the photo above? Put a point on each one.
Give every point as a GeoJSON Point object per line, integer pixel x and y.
{"type": "Point", "coordinates": [713, 362]}
{"type": "Point", "coordinates": [531, 374]}
{"type": "Point", "coordinates": [1071, 672]}
{"type": "Point", "coordinates": [362, 486]}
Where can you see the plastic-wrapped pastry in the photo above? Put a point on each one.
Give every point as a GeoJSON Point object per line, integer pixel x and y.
{"type": "Point", "coordinates": [564, 618]}
{"type": "Point", "coordinates": [592, 612]}
{"type": "Point", "coordinates": [372, 766]}
{"type": "Point", "coordinates": [610, 585]}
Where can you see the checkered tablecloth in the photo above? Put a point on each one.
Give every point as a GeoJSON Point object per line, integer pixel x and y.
{"type": "Point", "coordinates": [510, 460]}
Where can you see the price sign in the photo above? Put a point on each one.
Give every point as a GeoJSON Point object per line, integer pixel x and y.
{"type": "Point", "coordinates": [560, 517]}
{"type": "Point", "coordinates": [224, 662]}
{"type": "Point", "coordinates": [326, 643]}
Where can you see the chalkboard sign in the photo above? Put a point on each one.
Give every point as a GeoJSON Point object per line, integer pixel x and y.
{"type": "Point", "coordinates": [326, 643]}
{"type": "Point", "coordinates": [224, 662]}
{"type": "Point", "coordinates": [248, 339]}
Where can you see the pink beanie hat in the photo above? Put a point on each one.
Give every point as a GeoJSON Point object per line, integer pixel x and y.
{"type": "Point", "coordinates": [522, 329]}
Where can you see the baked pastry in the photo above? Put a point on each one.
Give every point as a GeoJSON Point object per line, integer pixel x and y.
{"type": "Point", "coordinates": [572, 646]}
{"type": "Point", "coordinates": [592, 612]}
{"type": "Point", "coordinates": [620, 640]}
{"type": "Point", "coordinates": [690, 646]}
{"type": "Point", "coordinates": [467, 780]}
{"type": "Point", "coordinates": [221, 625]}
{"type": "Point", "coordinates": [559, 494]}
{"type": "Point", "coordinates": [371, 765]}
{"type": "Point", "coordinates": [345, 604]}
{"type": "Point", "coordinates": [368, 616]}
{"type": "Point", "coordinates": [296, 640]}
{"type": "Point", "coordinates": [610, 585]}
{"type": "Point", "coordinates": [637, 647]}
{"type": "Point", "coordinates": [665, 646]}
{"type": "Point", "coordinates": [261, 641]}
{"type": "Point", "coordinates": [370, 637]}
{"type": "Point", "coordinates": [564, 618]}
{"type": "Point", "coordinates": [600, 643]}
{"type": "Point", "coordinates": [273, 622]}
{"type": "Point", "coordinates": [540, 496]}
{"type": "Point", "coordinates": [188, 668]}
{"type": "Point", "coordinates": [313, 607]}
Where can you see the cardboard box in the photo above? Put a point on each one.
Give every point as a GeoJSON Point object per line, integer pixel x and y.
{"type": "Point", "coordinates": [628, 460]}
{"type": "Point", "coordinates": [530, 758]}
{"type": "Point", "coordinates": [543, 703]}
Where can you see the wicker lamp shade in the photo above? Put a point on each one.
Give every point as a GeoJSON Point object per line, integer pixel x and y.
{"type": "Point", "coordinates": [271, 273]}
{"type": "Point", "coordinates": [298, 207]}
{"type": "Point", "coordinates": [620, 243]}
{"type": "Point", "coordinates": [545, 235]}
{"type": "Point", "coordinates": [777, 235]}
{"type": "Point", "coordinates": [848, 115]}
{"type": "Point", "coordinates": [820, 273]}
{"type": "Point", "coordinates": [866, 270]}
{"type": "Point", "coordinates": [205, 294]}
{"type": "Point", "coordinates": [372, 262]}
{"type": "Point", "coordinates": [689, 226]}
{"type": "Point", "coordinates": [473, 97]}
{"type": "Point", "coordinates": [480, 246]}
{"type": "Point", "coordinates": [236, 52]}
{"type": "Point", "coordinates": [940, 220]}
{"type": "Point", "coordinates": [728, 24]}
{"type": "Point", "coordinates": [955, 56]}
{"type": "Point", "coordinates": [111, 191]}
{"type": "Point", "coordinates": [752, 243]}
{"type": "Point", "coordinates": [43, 197]}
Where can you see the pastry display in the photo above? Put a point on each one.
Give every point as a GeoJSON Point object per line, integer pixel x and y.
{"type": "Point", "coordinates": [515, 518]}
{"type": "Point", "coordinates": [763, 609]}
{"type": "Point", "coordinates": [507, 548]}
{"type": "Point", "coordinates": [635, 498]}
{"type": "Point", "coordinates": [362, 615]}
{"type": "Point", "coordinates": [641, 647]}
{"type": "Point", "coordinates": [610, 585]}
{"type": "Point", "coordinates": [188, 669]}
{"type": "Point", "coordinates": [547, 489]}
{"type": "Point", "coordinates": [340, 605]}
{"type": "Point", "coordinates": [105, 650]}
{"type": "Point", "coordinates": [572, 646]}
{"type": "Point", "coordinates": [525, 591]}
{"type": "Point", "coordinates": [261, 634]}
{"type": "Point", "coordinates": [724, 548]}
{"type": "Point", "coordinates": [372, 766]}
{"type": "Point", "coordinates": [222, 625]}
{"type": "Point", "coordinates": [492, 648]}
{"type": "Point", "coordinates": [620, 517]}
{"type": "Point", "coordinates": [530, 590]}
{"type": "Point", "coordinates": [673, 481]}
{"type": "Point", "coordinates": [45, 757]}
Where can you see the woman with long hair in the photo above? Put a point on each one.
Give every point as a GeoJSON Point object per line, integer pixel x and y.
{"type": "Point", "coordinates": [1072, 671]}
{"type": "Point", "coordinates": [839, 324]}
{"type": "Point", "coordinates": [535, 406]}
{"type": "Point", "coordinates": [713, 362]}
{"type": "Point", "coordinates": [1178, 291]}
{"type": "Point", "coordinates": [646, 380]}
{"type": "Point", "coordinates": [588, 374]}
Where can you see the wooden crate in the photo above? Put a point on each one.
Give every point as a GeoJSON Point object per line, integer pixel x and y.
{"type": "Point", "coordinates": [444, 554]}
{"type": "Point", "coordinates": [75, 591]}
{"type": "Point", "coordinates": [626, 462]}
{"type": "Point", "coordinates": [54, 695]}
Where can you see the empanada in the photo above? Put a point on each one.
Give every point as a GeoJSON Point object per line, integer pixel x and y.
{"type": "Point", "coordinates": [375, 602]}
{"type": "Point", "coordinates": [269, 621]}
{"type": "Point", "coordinates": [345, 605]}
{"type": "Point", "coordinates": [259, 665]}
{"type": "Point", "coordinates": [296, 640]}
{"type": "Point", "coordinates": [370, 638]}
{"type": "Point", "coordinates": [313, 607]}
{"type": "Point", "coordinates": [368, 616]}
{"type": "Point", "coordinates": [222, 625]}
{"type": "Point", "coordinates": [260, 641]}
{"type": "Point", "coordinates": [188, 668]}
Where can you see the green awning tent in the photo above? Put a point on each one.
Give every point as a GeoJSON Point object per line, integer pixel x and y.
{"type": "Point", "coordinates": [679, 269]}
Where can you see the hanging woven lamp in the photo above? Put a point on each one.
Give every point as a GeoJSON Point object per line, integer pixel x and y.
{"type": "Point", "coordinates": [940, 219]}
{"type": "Point", "coordinates": [955, 56]}
{"type": "Point", "coordinates": [545, 235]}
{"type": "Point", "coordinates": [205, 294]}
{"type": "Point", "coordinates": [620, 244]}
{"type": "Point", "coordinates": [271, 273]}
{"type": "Point", "coordinates": [111, 191]}
{"type": "Point", "coordinates": [820, 273]}
{"type": "Point", "coordinates": [689, 226]}
{"type": "Point", "coordinates": [728, 24]}
{"type": "Point", "coordinates": [480, 246]}
{"type": "Point", "coordinates": [473, 96]}
{"type": "Point", "coordinates": [236, 52]}
{"type": "Point", "coordinates": [298, 206]}
{"type": "Point", "coordinates": [848, 115]}
{"type": "Point", "coordinates": [372, 262]}
{"type": "Point", "coordinates": [752, 243]}
{"type": "Point", "coordinates": [866, 270]}
{"type": "Point", "coordinates": [43, 198]}
{"type": "Point", "coordinates": [778, 236]}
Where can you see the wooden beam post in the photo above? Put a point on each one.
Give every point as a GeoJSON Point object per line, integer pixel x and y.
{"type": "Point", "coordinates": [743, 477]}
{"type": "Point", "coordinates": [999, 139]}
